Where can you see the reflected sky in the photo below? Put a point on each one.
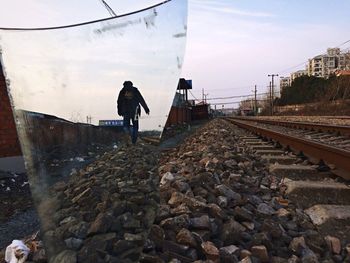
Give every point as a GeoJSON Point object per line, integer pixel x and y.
{"type": "Point", "coordinates": [77, 72]}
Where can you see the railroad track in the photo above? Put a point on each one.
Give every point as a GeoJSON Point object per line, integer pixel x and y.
{"type": "Point", "coordinates": [335, 120]}
{"type": "Point", "coordinates": [324, 197]}
{"type": "Point", "coordinates": [321, 143]}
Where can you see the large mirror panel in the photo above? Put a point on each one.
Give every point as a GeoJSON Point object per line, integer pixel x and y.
{"type": "Point", "coordinates": [83, 96]}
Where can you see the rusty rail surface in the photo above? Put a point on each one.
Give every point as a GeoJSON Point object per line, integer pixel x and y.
{"type": "Point", "coordinates": [339, 129]}
{"type": "Point", "coordinates": [340, 158]}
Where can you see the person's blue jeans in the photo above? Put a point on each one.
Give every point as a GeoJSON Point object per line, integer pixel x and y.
{"type": "Point", "coordinates": [133, 131]}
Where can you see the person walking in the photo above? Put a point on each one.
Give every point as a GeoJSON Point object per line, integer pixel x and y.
{"type": "Point", "coordinates": [128, 104]}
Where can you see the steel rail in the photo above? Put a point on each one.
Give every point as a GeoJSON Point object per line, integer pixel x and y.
{"type": "Point", "coordinates": [339, 129]}
{"type": "Point", "coordinates": [340, 158]}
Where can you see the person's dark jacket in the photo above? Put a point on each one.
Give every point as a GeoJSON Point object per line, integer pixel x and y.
{"type": "Point", "coordinates": [128, 101]}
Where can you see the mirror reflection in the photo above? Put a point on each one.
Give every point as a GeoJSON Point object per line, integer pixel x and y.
{"type": "Point", "coordinates": [83, 98]}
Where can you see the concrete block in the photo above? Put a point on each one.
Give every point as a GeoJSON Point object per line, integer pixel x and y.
{"type": "Point", "coordinates": [250, 138]}
{"type": "Point", "coordinates": [309, 193]}
{"type": "Point", "coordinates": [269, 152]}
{"type": "Point", "coordinates": [295, 171]}
{"type": "Point", "coordinates": [331, 219]}
{"type": "Point", "coordinates": [262, 147]}
{"type": "Point", "coordinates": [279, 159]}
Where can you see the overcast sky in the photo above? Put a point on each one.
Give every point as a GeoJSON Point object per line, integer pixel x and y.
{"type": "Point", "coordinates": [231, 45]}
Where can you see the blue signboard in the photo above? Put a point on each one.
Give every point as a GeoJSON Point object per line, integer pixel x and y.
{"type": "Point", "coordinates": [110, 123]}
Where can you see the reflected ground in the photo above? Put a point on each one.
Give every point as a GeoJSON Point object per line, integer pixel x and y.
{"type": "Point", "coordinates": [96, 196]}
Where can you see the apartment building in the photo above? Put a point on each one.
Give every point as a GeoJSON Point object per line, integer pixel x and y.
{"type": "Point", "coordinates": [284, 82]}
{"type": "Point", "coordinates": [324, 65]}
{"type": "Point", "coordinates": [344, 61]}
{"type": "Point", "coordinates": [315, 66]}
{"type": "Point", "coordinates": [297, 74]}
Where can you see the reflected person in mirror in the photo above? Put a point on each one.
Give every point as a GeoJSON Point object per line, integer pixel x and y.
{"type": "Point", "coordinates": [128, 105]}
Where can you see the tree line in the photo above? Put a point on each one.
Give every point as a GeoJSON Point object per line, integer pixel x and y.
{"type": "Point", "coordinates": [308, 89]}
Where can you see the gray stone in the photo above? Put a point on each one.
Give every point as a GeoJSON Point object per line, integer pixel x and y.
{"type": "Point", "coordinates": [229, 250]}
{"type": "Point", "coordinates": [333, 244]}
{"type": "Point", "coordinates": [121, 246]}
{"type": "Point", "coordinates": [200, 222]}
{"type": "Point", "coordinates": [297, 244]}
{"type": "Point", "coordinates": [228, 193]}
{"type": "Point", "coordinates": [101, 224]}
{"type": "Point", "coordinates": [210, 250]}
{"type": "Point", "coordinates": [73, 243]}
{"type": "Point", "coordinates": [176, 223]}
{"type": "Point", "coordinates": [242, 214]}
{"type": "Point", "coordinates": [66, 256]}
{"type": "Point", "coordinates": [308, 256]}
{"type": "Point", "coordinates": [185, 237]}
{"type": "Point", "coordinates": [231, 231]}
{"type": "Point", "coordinates": [133, 237]}
{"type": "Point", "coordinates": [79, 230]}
{"type": "Point", "coordinates": [265, 209]}
{"type": "Point", "coordinates": [222, 201]}
{"type": "Point", "coordinates": [261, 253]}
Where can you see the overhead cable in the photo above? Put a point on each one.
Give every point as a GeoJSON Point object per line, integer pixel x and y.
{"type": "Point", "coordinates": [193, 96]}
{"type": "Point", "coordinates": [83, 23]}
{"type": "Point", "coordinates": [303, 63]}
{"type": "Point", "coordinates": [238, 101]}
{"type": "Point", "coordinates": [238, 96]}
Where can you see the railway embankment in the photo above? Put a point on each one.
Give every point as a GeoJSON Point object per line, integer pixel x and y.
{"type": "Point", "coordinates": [225, 195]}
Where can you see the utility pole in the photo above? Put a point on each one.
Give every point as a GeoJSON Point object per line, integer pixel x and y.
{"type": "Point", "coordinates": [88, 119]}
{"type": "Point", "coordinates": [205, 97]}
{"type": "Point", "coordinates": [270, 98]}
{"type": "Point", "coordinates": [272, 90]}
{"type": "Point", "coordinates": [255, 102]}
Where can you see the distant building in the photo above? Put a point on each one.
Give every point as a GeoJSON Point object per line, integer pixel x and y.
{"type": "Point", "coordinates": [284, 82]}
{"type": "Point", "coordinates": [324, 65]}
{"type": "Point", "coordinates": [344, 61]}
{"type": "Point", "coordinates": [297, 74]}
{"type": "Point", "coordinates": [315, 66]}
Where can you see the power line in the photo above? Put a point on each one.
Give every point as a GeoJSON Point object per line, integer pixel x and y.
{"type": "Point", "coordinates": [235, 102]}
{"type": "Point", "coordinates": [193, 96]}
{"type": "Point", "coordinates": [83, 23]}
{"type": "Point", "coordinates": [226, 103]}
{"type": "Point", "coordinates": [347, 41]}
{"type": "Point", "coordinates": [287, 69]}
{"type": "Point", "coordinates": [234, 97]}
{"type": "Point", "coordinates": [239, 96]}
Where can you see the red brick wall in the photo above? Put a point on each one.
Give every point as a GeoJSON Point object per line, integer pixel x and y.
{"type": "Point", "coordinates": [178, 116]}
{"type": "Point", "coordinates": [9, 145]}
{"type": "Point", "coordinates": [200, 112]}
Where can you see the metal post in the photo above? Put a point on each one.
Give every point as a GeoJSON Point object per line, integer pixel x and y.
{"type": "Point", "coordinates": [272, 90]}
{"type": "Point", "coordinates": [271, 112]}
{"type": "Point", "coordinates": [255, 102]}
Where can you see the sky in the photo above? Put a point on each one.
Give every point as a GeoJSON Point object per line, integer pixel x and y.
{"type": "Point", "coordinates": [231, 45]}
{"type": "Point", "coordinates": [78, 71]}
